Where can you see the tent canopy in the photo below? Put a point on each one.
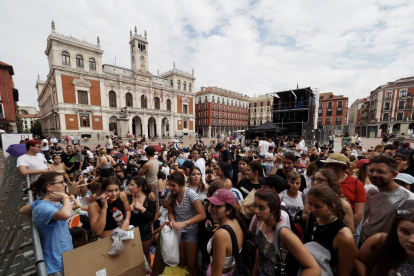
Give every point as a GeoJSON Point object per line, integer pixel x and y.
{"type": "Point", "coordinates": [267, 126]}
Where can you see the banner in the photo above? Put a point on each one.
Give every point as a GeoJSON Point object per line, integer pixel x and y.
{"type": "Point", "coordinates": [10, 139]}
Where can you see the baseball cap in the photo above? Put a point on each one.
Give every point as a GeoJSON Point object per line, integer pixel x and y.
{"type": "Point", "coordinates": [362, 162]}
{"type": "Point", "coordinates": [186, 164]}
{"type": "Point", "coordinates": [405, 177]}
{"type": "Point", "coordinates": [219, 146]}
{"type": "Point", "coordinates": [223, 196]}
{"type": "Point", "coordinates": [276, 182]}
{"type": "Point", "coordinates": [335, 158]}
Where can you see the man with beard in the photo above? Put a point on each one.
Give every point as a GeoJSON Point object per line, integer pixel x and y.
{"type": "Point", "coordinates": [383, 203]}
{"type": "Point", "coordinates": [288, 162]}
{"type": "Point", "coordinates": [68, 158]}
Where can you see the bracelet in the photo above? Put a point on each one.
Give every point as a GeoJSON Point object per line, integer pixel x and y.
{"type": "Point", "coordinates": [185, 223]}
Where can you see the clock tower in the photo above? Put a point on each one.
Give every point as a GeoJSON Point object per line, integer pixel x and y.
{"type": "Point", "coordinates": [139, 51]}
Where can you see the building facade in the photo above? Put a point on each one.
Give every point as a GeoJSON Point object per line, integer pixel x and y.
{"type": "Point", "coordinates": [83, 96]}
{"type": "Point", "coordinates": [389, 108]}
{"type": "Point", "coordinates": [9, 96]}
{"type": "Point", "coordinates": [28, 116]}
{"type": "Point", "coordinates": [260, 110]}
{"type": "Point", "coordinates": [220, 110]}
{"type": "Point", "coordinates": [332, 111]}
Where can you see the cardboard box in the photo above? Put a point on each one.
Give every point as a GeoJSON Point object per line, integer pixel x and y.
{"type": "Point", "coordinates": [93, 259]}
{"type": "Point", "coordinates": [73, 189]}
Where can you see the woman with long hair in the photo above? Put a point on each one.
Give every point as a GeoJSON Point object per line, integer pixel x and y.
{"type": "Point", "coordinates": [268, 262]}
{"type": "Point", "coordinates": [329, 178]}
{"type": "Point", "coordinates": [196, 184]}
{"type": "Point", "coordinates": [111, 210]}
{"type": "Point", "coordinates": [224, 211]}
{"type": "Point", "coordinates": [243, 162]}
{"type": "Point", "coordinates": [254, 170]}
{"type": "Point", "coordinates": [223, 173]}
{"type": "Point", "coordinates": [389, 253]}
{"type": "Point", "coordinates": [105, 163]}
{"type": "Point", "coordinates": [50, 214]}
{"type": "Point", "coordinates": [408, 165]}
{"type": "Point", "coordinates": [185, 211]}
{"type": "Point", "coordinates": [142, 211]}
{"type": "Point", "coordinates": [315, 152]}
{"type": "Point", "coordinates": [325, 226]}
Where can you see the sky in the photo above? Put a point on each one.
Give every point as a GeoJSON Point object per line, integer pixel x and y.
{"type": "Point", "coordinates": [252, 47]}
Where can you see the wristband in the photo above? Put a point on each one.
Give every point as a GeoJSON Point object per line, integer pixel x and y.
{"type": "Point", "coordinates": [185, 223]}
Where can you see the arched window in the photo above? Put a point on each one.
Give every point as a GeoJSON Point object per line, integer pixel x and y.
{"type": "Point", "coordinates": [92, 64]}
{"type": "Point", "coordinates": [65, 58]}
{"type": "Point", "coordinates": [112, 124]}
{"type": "Point", "coordinates": [169, 105]}
{"type": "Point", "coordinates": [157, 103]}
{"type": "Point", "coordinates": [143, 102]}
{"type": "Point", "coordinates": [189, 87]}
{"type": "Point", "coordinates": [128, 99]}
{"type": "Point", "coordinates": [79, 61]}
{"type": "Point", "coordinates": [184, 86]}
{"type": "Point", "coordinates": [112, 99]}
{"type": "Point", "coordinates": [179, 85]}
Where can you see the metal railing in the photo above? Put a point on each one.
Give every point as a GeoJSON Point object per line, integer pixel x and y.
{"type": "Point", "coordinates": [20, 249]}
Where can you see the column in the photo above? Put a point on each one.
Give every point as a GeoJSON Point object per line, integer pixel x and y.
{"type": "Point", "coordinates": [209, 132]}
{"type": "Point", "coordinates": [159, 123]}
{"type": "Point", "coordinates": [145, 126]}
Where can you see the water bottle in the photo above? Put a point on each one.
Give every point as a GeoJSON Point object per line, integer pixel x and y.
{"type": "Point", "coordinates": [118, 216]}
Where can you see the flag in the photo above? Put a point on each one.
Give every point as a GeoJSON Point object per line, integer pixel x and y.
{"type": "Point", "coordinates": [154, 93]}
{"type": "Point", "coordinates": [162, 99]}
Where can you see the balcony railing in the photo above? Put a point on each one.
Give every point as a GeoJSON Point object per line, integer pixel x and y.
{"type": "Point", "coordinates": [338, 113]}
{"type": "Point", "coordinates": [338, 123]}
{"type": "Point", "coordinates": [327, 123]}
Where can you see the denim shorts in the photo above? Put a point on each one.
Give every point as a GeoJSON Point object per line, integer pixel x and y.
{"type": "Point", "coordinates": [189, 237]}
{"type": "Point", "coordinates": [261, 157]}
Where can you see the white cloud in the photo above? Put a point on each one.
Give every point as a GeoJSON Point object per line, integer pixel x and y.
{"type": "Point", "coordinates": [347, 47]}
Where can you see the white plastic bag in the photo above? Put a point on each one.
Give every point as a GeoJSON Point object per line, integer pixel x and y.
{"type": "Point", "coordinates": [118, 236]}
{"type": "Point", "coordinates": [170, 245]}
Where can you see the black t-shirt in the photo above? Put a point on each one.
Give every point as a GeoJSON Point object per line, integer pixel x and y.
{"type": "Point", "coordinates": [245, 186]}
{"type": "Point", "coordinates": [226, 155]}
{"type": "Point", "coordinates": [255, 143]}
{"type": "Point", "coordinates": [302, 179]}
{"type": "Point", "coordinates": [69, 160]}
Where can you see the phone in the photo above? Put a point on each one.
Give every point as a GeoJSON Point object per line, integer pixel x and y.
{"type": "Point", "coordinates": [212, 228]}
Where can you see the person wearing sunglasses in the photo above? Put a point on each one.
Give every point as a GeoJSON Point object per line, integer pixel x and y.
{"type": "Point", "coordinates": [383, 201]}
{"type": "Point", "coordinates": [389, 253]}
{"type": "Point", "coordinates": [32, 163]}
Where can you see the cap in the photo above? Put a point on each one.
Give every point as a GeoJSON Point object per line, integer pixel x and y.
{"type": "Point", "coordinates": [335, 158]}
{"type": "Point", "coordinates": [276, 182]}
{"type": "Point", "coordinates": [405, 177]}
{"type": "Point", "coordinates": [219, 146]}
{"type": "Point", "coordinates": [223, 196]}
{"type": "Point", "coordinates": [187, 164]}
{"type": "Point", "coordinates": [362, 162]}
{"type": "Point", "coordinates": [176, 163]}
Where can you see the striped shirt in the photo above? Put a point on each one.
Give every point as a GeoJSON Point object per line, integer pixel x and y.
{"type": "Point", "coordinates": [186, 210]}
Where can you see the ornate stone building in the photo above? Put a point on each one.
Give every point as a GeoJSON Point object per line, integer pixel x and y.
{"type": "Point", "coordinates": [82, 95]}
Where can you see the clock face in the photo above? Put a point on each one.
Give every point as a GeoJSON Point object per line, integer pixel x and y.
{"type": "Point", "coordinates": [142, 58]}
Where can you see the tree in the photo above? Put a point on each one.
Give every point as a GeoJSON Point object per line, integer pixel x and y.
{"type": "Point", "coordinates": [36, 128]}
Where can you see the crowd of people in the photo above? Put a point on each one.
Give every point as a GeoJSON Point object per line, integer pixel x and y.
{"type": "Point", "coordinates": [275, 207]}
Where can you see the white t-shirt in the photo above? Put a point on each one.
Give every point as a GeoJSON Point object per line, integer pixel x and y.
{"type": "Point", "coordinates": [37, 162]}
{"type": "Point", "coordinates": [143, 155]}
{"type": "Point", "coordinates": [264, 147]}
{"type": "Point", "coordinates": [301, 147]}
{"type": "Point", "coordinates": [268, 156]}
{"type": "Point", "coordinates": [164, 215]}
{"type": "Point", "coordinates": [165, 170]}
{"type": "Point", "coordinates": [293, 205]}
{"type": "Point", "coordinates": [109, 144]}
{"type": "Point", "coordinates": [201, 164]}
{"type": "Point", "coordinates": [44, 145]}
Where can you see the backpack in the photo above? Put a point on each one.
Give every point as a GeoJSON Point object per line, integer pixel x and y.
{"type": "Point", "coordinates": [321, 255]}
{"type": "Point", "coordinates": [294, 226]}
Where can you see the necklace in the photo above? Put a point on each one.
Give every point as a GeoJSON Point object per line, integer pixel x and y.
{"type": "Point", "coordinates": [320, 230]}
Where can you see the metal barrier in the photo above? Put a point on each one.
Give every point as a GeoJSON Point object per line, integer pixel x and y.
{"type": "Point", "coordinates": [37, 247]}
{"type": "Point", "coordinates": [20, 249]}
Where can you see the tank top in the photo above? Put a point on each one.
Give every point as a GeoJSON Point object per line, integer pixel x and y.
{"type": "Point", "coordinates": [151, 175]}
{"type": "Point", "coordinates": [110, 221]}
{"type": "Point", "coordinates": [324, 234]}
{"type": "Point", "coordinates": [228, 261]}
{"type": "Point", "coordinates": [409, 170]}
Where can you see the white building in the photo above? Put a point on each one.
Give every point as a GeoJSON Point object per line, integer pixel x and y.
{"type": "Point", "coordinates": [28, 115]}
{"type": "Point", "coordinates": [260, 110]}
{"type": "Point", "coordinates": [82, 95]}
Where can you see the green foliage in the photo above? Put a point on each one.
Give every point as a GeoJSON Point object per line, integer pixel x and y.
{"type": "Point", "coordinates": [36, 128]}
{"type": "Point", "coordinates": [26, 130]}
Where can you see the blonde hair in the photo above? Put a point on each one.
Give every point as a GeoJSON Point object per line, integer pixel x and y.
{"type": "Point", "coordinates": [103, 152]}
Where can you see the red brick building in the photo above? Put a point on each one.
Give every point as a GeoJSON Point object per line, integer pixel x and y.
{"type": "Point", "coordinates": [9, 96]}
{"type": "Point", "coordinates": [220, 110]}
{"type": "Point", "coordinates": [332, 110]}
